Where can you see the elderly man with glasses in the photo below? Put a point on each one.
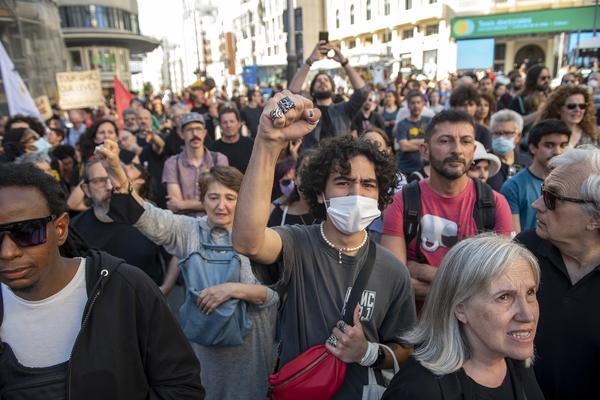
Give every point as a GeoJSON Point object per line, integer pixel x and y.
{"type": "Point", "coordinates": [566, 241]}
{"type": "Point", "coordinates": [506, 127]}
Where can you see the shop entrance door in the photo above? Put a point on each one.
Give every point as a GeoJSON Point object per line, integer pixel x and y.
{"type": "Point", "coordinates": [530, 55]}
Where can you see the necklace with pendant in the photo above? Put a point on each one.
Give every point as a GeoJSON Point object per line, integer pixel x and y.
{"type": "Point", "coordinates": [342, 249]}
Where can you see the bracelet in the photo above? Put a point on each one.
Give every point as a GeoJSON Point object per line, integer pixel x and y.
{"type": "Point", "coordinates": [345, 62]}
{"type": "Point", "coordinates": [309, 62]}
{"type": "Point", "coordinates": [370, 355]}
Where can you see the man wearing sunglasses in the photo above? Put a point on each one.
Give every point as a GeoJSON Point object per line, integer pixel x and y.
{"type": "Point", "coordinates": [78, 328]}
{"type": "Point", "coordinates": [566, 241]}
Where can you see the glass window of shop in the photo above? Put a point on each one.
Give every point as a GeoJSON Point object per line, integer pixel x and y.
{"type": "Point", "coordinates": [102, 58]}
{"type": "Point", "coordinates": [76, 60]}
{"type": "Point", "coordinates": [95, 16]}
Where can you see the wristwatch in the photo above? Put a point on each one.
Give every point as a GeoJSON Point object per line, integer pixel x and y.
{"type": "Point", "coordinates": [309, 62]}
{"type": "Point", "coordinates": [345, 62]}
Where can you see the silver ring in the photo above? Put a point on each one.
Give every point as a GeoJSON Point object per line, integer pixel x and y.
{"type": "Point", "coordinates": [286, 104]}
{"type": "Point", "coordinates": [332, 340]}
{"type": "Point", "coordinates": [341, 326]}
{"type": "Point", "coordinates": [276, 113]}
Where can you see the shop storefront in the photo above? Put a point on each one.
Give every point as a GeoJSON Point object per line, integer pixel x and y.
{"type": "Point", "coordinates": [517, 38]}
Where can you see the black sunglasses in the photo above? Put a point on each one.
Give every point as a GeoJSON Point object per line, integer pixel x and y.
{"type": "Point", "coordinates": [27, 233]}
{"type": "Point", "coordinates": [572, 106]}
{"type": "Point", "coordinates": [550, 199]}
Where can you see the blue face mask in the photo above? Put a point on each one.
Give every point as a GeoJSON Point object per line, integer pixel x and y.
{"type": "Point", "coordinates": [42, 145]}
{"type": "Point", "coordinates": [502, 145]}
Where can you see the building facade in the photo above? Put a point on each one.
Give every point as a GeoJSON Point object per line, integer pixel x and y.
{"type": "Point", "coordinates": [30, 33]}
{"type": "Point", "coordinates": [104, 35]}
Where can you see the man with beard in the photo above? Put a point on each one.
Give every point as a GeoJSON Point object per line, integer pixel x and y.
{"type": "Point", "coordinates": [335, 118]}
{"type": "Point", "coordinates": [367, 117]}
{"type": "Point", "coordinates": [448, 198]}
{"type": "Point", "coordinates": [547, 140]}
{"type": "Point", "coordinates": [101, 233]}
{"type": "Point", "coordinates": [182, 172]}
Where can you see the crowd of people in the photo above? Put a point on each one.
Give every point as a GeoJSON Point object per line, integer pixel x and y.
{"type": "Point", "coordinates": [449, 232]}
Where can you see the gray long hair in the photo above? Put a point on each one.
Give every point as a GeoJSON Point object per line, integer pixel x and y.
{"type": "Point", "coordinates": [469, 267]}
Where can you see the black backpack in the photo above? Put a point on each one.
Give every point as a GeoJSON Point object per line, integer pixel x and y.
{"type": "Point", "coordinates": [484, 211]}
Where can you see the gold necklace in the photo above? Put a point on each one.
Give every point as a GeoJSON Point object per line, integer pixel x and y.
{"type": "Point", "coordinates": [344, 249]}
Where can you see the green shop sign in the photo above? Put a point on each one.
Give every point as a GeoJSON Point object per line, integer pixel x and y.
{"type": "Point", "coordinates": [518, 23]}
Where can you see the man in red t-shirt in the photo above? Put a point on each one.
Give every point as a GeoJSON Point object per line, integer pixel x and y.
{"type": "Point", "coordinates": [447, 200]}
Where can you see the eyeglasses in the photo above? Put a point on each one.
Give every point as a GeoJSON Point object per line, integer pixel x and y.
{"type": "Point", "coordinates": [550, 198]}
{"type": "Point", "coordinates": [27, 233]}
{"type": "Point", "coordinates": [572, 106]}
{"type": "Point", "coordinates": [99, 181]}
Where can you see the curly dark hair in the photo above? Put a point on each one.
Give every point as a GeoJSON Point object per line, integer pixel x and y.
{"type": "Point", "coordinates": [558, 98]}
{"type": "Point", "coordinates": [334, 155]}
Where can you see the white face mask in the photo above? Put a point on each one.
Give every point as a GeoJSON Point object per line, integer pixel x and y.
{"type": "Point", "coordinates": [351, 214]}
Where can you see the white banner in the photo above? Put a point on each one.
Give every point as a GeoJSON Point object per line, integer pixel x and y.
{"type": "Point", "coordinates": [17, 96]}
{"type": "Point", "coordinates": [79, 89]}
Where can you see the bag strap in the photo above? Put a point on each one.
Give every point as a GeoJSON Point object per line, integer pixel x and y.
{"type": "Point", "coordinates": [484, 212]}
{"type": "Point", "coordinates": [214, 156]}
{"type": "Point", "coordinates": [411, 195]}
{"type": "Point", "coordinates": [359, 285]}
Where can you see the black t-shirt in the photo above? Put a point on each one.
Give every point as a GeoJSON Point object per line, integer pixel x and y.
{"type": "Point", "coordinates": [251, 117]}
{"type": "Point", "coordinates": [122, 241]}
{"type": "Point", "coordinates": [237, 153]}
{"type": "Point", "coordinates": [483, 136]}
{"type": "Point", "coordinates": [154, 163]}
{"type": "Point", "coordinates": [503, 392]}
{"type": "Point", "coordinates": [326, 124]}
{"type": "Point", "coordinates": [173, 144]}
{"type": "Point", "coordinates": [362, 124]}
{"type": "Point", "coordinates": [290, 219]}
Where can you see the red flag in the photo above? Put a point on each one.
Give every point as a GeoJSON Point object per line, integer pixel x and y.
{"type": "Point", "coordinates": [122, 99]}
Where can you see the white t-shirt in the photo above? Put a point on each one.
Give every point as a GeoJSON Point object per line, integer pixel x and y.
{"type": "Point", "coordinates": [42, 333]}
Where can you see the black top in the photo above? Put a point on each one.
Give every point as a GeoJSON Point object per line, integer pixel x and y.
{"type": "Point", "coordinates": [173, 144]}
{"type": "Point", "coordinates": [251, 117]}
{"type": "Point", "coordinates": [567, 343]}
{"type": "Point", "coordinates": [237, 153]}
{"type": "Point", "coordinates": [326, 124]}
{"type": "Point", "coordinates": [290, 219]}
{"type": "Point", "coordinates": [502, 392]}
{"type": "Point", "coordinates": [361, 124]}
{"type": "Point", "coordinates": [154, 163]}
{"type": "Point", "coordinates": [415, 382]}
{"type": "Point", "coordinates": [122, 241]}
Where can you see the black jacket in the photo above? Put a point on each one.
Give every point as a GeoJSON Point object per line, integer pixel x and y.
{"type": "Point", "coordinates": [130, 346]}
{"type": "Point", "coordinates": [415, 382]}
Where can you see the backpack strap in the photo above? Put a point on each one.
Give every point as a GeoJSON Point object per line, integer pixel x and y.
{"type": "Point", "coordinates": [484, 212]}
{"type": "Point", "coordinates": [411, 195]}
{"type": "Point", "coordinates": [214, 156]}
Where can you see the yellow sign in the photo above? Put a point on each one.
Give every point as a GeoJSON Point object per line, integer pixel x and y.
{"type": "Point", "coordinates": [79, 89]}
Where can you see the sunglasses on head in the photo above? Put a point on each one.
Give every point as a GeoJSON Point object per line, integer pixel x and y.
{"type": "Point", "coordinates": [27, 233]}
{"type": "Point", "coordinates": [572, 106]}
{"type": "Point", "coordinates": [550, 198]}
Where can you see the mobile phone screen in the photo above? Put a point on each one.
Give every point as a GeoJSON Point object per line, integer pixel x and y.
{"type": "Point", "coordinates": [324, 35]}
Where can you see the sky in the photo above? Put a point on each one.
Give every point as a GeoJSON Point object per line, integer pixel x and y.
{"type": "Point", "coordinates": [161, 18]}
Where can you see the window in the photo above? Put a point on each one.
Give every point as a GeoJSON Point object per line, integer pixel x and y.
{"type": "Point", "coordinates": [368, 40]}
{"type": "Point", "coordinates": [386, 7]}
{"type": "Point", "coordinates": [352, 43]}
{"type": "Point", "coordinates": [368, 10]}
{"type": "Point", "coordinates": [407, 33]}
{"type": "Point", "coordinates": [337, 19]}
{"type": "Point", "coordinates": [352, 14]}
{"type": "Point", "coordinates": [76, 60]}
{"type": "Point", "coordinates": [432, 1]}
{"type": "Point", "coordinates": [386, 37]}
{"type": "Point", "coordinates": [405, 60]}
{"type": "Point", "coordinates": [432, 29]}
{"type": "Point", "coordinates": [101, 17]}
{"type": "Point", "coordinates": [408, 4]}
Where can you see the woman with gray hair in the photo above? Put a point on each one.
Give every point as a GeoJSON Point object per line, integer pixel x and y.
{"type": "Point", "coordinates": [475, 337]}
